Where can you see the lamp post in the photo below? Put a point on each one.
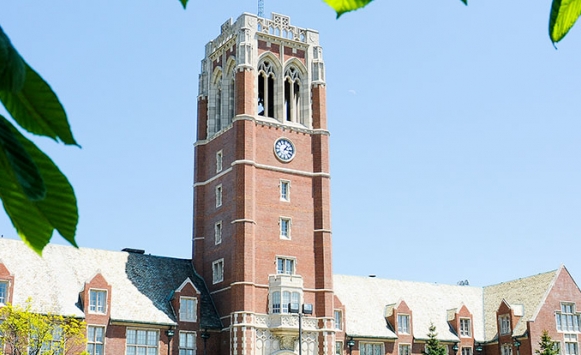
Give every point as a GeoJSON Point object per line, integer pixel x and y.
{"type": "Point", "coordinates": [350, 344]}
{"type": "Point", "coordinates": [205, 335]}
{"type": "Point", "coordinates": [307, 309]}
{"type": "Point", "coordinates": [517, 345]}
{"type": "Point", "coordinates": [170, 333]}
{"type": "Point", "coordinates": [455, 348]}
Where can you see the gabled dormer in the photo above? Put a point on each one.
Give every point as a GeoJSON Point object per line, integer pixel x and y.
{"type": "Point", "coordinates": [6, 285]}
{"type": "Point", "coordinates": [399, 318]}
{"type": "Point", "coordinates": [96, 300]}
{"type": "Point", "coordinates": [507, 317]}
{"type": "Point", "coordinates": [461, 321]}
{"type": "Point", "coordinates": [185, 302]}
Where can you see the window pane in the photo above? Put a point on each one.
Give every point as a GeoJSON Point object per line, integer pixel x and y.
{"type": "Point", "coordinates": [131, 336]}
{"type": "Point", "coordinates": [141, 337]}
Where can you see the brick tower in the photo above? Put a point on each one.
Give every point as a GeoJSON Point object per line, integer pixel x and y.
{"type": "Point", "coordinates": [262, 228]}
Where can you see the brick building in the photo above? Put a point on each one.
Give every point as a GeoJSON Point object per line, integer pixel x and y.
{"type": "Point", "coordinates": [260, 277]}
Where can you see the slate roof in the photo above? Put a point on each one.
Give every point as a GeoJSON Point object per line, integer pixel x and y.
{"type": "Point", "coordinates": [525, 295]}
{"type": "Point", "coordinates": [141, 284]}
{"type": "Point", "coordinates": [366, 300]}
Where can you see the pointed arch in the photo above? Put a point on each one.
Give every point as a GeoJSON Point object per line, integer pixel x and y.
{"type": "Point", "coordinates": [215, 102]}
{"type": "Point", "coordinates": [296, 106]}
{"type": "Point", "coordinates": [268, 76]}
{"type": "Point", "coordinates": [230, 83]}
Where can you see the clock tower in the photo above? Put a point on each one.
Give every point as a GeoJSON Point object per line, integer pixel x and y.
{"type": "Point", "coordinates": [262, 227]}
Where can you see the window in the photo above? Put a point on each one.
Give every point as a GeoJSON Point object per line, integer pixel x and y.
{"type": "Point", "coordinates": [188, 309]}
{"type": "Point", "coordinates": [557, 347]}
{"type": "Point", "coordinates": [276, 302]}
{"type": "Point", "coordinates": [281, 305]}
{"type": "Point", "coordinates": [218, 196]}
{"type": "Point", "coordinates": [571, 344]}
{"type": "Point", "coordinates": [506, 349]}
{"type": "Point", "coordinates": [265, 89]}
{"type": "Point", "coordinates": [338, 348]}
{"type": "Point", "coordinates": [567, 320]}
{"type": "Point", "coordinates": [466, 351]}
{"type": "Point", "coordinates": [95, 340]}
{"type": "Point", "coordinates": [504, 322]}
{"type": "Point", "coordinates": [218, 271]}
{"type": "Point", "coordinates": [98, 301]}
{"type": "Point", "coordinates": [465, 330]}
{"type": "Point", "coordinates": [338, 319]}
{"type": "Point", "coordinates": [3, 292]}
{"type": "Point", "coordinates": [218, 233]}
{"type": "Point", "coordinates": [285, 266]}
{"type": "Point", "coordinates": [219, 159]}
{"type": "Point", "coordinates": [370, 349]}
{"type": "Point", "coordinates": [284, 190]}
{"type": "Point", "coordinates": [404, 349]}
{"type": "Point", "coordinates": [403, 323]}
{"type": "Point", "coordinates": [285, 224]}
{"type": "Point", "coordinates": [52, 345]}
{"type": "Point", "coordinates": [218, 97]}
{"type": "Point", "coordinates": [141, 341]}
{"type": "Point", "coordinates": [187, 343]}
{"type": "Point", "coordinates": [292, 103]}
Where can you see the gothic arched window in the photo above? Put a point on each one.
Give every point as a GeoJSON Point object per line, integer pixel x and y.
{"type": "Point", "coordinates": [265, 89]}
{"type": "Point", "coordinates": [218, 120]}
{"type": "Point", "coordinates": [292, 95]}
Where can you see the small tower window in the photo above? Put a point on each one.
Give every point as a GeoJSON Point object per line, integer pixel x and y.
{"type": "Point", "coordinates": [218, 196]}
{"type": "Point", "coordinates": [218, 271]}
{"type": "Point", "coordinates": [219, 161]}
{"type": "Point", "coordinates": [218, 233]}
{"type": "Point", "coordinates": [285, 190]}
{"type": "Point", "coordinates": [265, 89]}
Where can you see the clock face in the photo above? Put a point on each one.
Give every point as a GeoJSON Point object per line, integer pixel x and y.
{"type": "Point", "coordinates": [284, 149]}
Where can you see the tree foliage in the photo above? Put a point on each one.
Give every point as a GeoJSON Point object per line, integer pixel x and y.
{"type": "Point", "coordinates": [563, 15]}
{"type": "Point", "coordinates": [36, 195]}
{"type": "Point", "coordinates": [27, 333]}
{"type": "Point", "coordinates": [433, 345]}
{"type": "Point", "coordinates": [546, 345]}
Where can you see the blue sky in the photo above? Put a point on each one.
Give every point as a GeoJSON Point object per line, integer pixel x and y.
{"type": "Point", "coordinates": [455, 150]}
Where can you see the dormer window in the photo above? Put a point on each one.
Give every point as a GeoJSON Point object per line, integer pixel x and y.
{"type": "Point", "coordinates": [188, 309]}
{"type": "Point", "coordinates": [98, 301]}
{"type": "Point", "coordinates": [504, 323]}
{"type": "Point", "coordinates": [465, 328]}
{"type": "Point", "coordinates": [403, 323]}
{"type": "Point", "coordinates": [3, 292]}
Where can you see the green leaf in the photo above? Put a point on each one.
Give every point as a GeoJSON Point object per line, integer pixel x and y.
{"type": "Point", "coordinates": [564, 14]}
{"type": "Point", "coordinates": [343, 6]}
{"type": "Point", "coordinates": [35, 221]}
{"type": "Point", "coordinates": [465, 2]}
{"type": "Point", "coordinates": [184, 3]}
{"type": "Point", "coordinates": [37, 109]}
{"type": "Point", "coordinates": [12, 70]}
{"type": "Point", "coordinates": [26, 173]}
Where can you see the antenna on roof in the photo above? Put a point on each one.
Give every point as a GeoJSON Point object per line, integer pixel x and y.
{"type": "Point", "coordinates": [260, 8]}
